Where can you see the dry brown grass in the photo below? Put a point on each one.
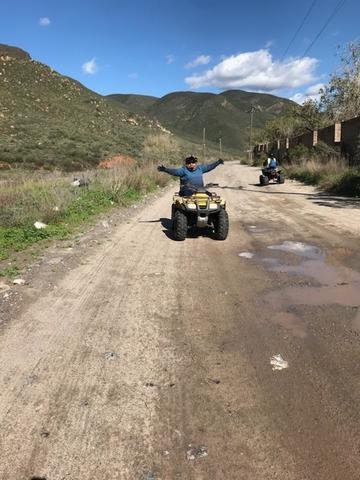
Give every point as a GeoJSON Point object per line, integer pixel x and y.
{"type": "Point", "coordinates": [45, 197]}
{"type": "Point", "coordinates": [333, 166]}
{"type": "Point", "coordinates": [161, 148]}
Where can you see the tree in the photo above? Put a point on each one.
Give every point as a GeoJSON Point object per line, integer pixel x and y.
{"type": "Point", "coordinates": [280, 127]}
{"type": "Point", "coordinates": [341, 98]}
{"type": "Point", "coordinates": [308, 116]}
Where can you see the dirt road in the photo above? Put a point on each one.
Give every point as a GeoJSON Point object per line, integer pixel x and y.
{"type": "Point", "coordinates": [130, 356]}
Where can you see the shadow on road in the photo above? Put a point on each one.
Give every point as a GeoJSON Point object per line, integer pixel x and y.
{"type": "Point", "coordinates": [320, 198]}
{"type": "Point", "coordinates": [193, 232]}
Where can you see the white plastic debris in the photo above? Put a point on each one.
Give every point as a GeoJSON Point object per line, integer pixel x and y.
{"type": "Point", "coordinates": [39, 225]}
{"type": "Point", "coordinates": [246, 254]}
{"type": "Point", "coordinates": [19, 281]}
{"type": "Point", "coordinates": [278, 363]}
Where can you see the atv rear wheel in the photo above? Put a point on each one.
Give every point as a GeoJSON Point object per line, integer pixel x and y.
{"type": "Point", "coordinates": [281, 178]}
{"type": "Point", "coordinates": [221, 225]}
{"type": "Point", "coordinates": [180, 225]}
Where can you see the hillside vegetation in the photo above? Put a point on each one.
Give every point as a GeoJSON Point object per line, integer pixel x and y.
{"type": "Point", "coordinates": [51, 121]}
{"type": "Point", "coordinates": [225, 115]}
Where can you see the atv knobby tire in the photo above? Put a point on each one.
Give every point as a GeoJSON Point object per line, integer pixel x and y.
{"type": "Point", "coordinates": [264, 180]}
{"type": "Point", "coordinates": [221, 225]}
{"type": "Point", "coordinates": [180, 225]}
{"type": "Point", "coordinates": [281, 178]}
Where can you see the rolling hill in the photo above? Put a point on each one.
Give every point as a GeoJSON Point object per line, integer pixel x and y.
{"type": "Point", "coordinates": [48, 120]}
{"type": "Point", "coordinates": [51, 121]}
{"type": "Point", "coordinates": [225, 115]}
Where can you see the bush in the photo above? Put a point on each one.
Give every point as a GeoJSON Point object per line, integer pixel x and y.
{"type": "Point", "coordinates": [347, 183]}
{"type": "Point", "coordinates": [325, 152]}
{"type": "Point", "coordinates": [298, 153]}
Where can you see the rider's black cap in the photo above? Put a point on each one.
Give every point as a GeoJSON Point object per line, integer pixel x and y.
{"type": "Point", "coordinates": [190, 159]}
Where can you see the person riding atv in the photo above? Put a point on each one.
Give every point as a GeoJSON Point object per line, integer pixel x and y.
{"type": "Point", "coordinates": [271, 162]}
{"type": "Point", "coordinates": [194, 206]}
{"type": "Point", "coordinates": [191, 173]}
{"type": "Point", "coordinates": [271, 172]}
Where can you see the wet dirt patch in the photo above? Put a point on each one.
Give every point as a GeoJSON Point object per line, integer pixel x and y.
{"type": "Point", "coordinates": [334, 285]}
{"type": "Point", "coordinates": [259, 229]}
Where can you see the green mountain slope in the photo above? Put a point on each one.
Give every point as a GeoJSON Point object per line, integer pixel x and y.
{"type": "Point", "coordinates": [225, 115]}
{"type": "Point", "coordinates": [134, 103]}
{"type": "Point", "coordinates": [51, 121]}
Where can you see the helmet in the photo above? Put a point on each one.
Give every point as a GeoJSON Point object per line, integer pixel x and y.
{"type": "Point", "coordinates": [190, 159]}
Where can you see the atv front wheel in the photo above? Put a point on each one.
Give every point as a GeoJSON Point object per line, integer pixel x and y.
{"type": "Point", "coordinates": [264, 180]}
{"type": "Point", "coordinates": [180, 225]}
{"type": "Point", "coordinates": [281, 178]}
{"type": "Point", "coordinates": [221, 225]}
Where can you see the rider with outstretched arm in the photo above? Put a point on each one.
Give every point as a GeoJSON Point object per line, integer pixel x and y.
{"type": "Point", "coordinates": [191, 174]}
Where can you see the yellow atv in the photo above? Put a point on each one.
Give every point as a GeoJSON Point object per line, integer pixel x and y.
{"type": "Point", "coordinates": [199, 209]}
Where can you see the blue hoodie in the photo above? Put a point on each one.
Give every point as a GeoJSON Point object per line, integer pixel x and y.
{"type": "Point", "coordinates": [193, 177]}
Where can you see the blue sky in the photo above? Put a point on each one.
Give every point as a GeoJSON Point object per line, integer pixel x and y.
{"type": "Point", "coordinates": [154, 47]}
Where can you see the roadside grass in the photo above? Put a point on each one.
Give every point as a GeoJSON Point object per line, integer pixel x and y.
{"type": "Point", "coordinates": [65, 209]}
{"type": "Point", "coordinates": [30, 196]}
{"type": "Point", "coordinates": [332, 176]}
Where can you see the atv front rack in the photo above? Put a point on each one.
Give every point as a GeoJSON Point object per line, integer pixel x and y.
{"type": "Point", "coordinates": [199, 202]}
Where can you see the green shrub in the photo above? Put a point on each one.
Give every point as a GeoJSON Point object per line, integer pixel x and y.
{"type": "Point", "coordinates": [347, 183]}
{"type": "Point", "coordinates": [298, 153]}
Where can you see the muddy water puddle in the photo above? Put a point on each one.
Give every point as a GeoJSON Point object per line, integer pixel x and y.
{"type": "Point", "coordinates": [328, 284]}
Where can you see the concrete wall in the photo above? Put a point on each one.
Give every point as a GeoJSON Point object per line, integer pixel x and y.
{"type": "Point", "coordinates": [345, 134]}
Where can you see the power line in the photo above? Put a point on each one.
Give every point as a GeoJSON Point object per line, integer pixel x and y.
{"type": "Point", "coordinates": [299, 28]}
{"type": "Point", "coordinates": [336, 9]}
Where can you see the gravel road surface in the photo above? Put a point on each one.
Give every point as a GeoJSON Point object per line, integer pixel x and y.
{"type": "Point", "coordinates": [127, 355]}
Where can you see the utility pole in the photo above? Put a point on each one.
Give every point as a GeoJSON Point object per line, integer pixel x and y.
{"type": "Point", "coordinates": [204, 144]}
{"type": "Point", "coordinates": [251, 111]}
{"type": "Point", "coordinates": [220, 142]}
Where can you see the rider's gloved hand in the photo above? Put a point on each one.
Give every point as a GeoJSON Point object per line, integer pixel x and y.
{"type": "Point", "coordinates": [161, 168]}
{"type": "Point", "coordinates": [221, 161]}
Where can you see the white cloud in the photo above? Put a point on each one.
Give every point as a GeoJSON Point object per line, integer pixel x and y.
{"type": "Point", "coordinates": [256, 71]}
{"type": "Point", "coordinates": [44, 21]}
{"type": "Point", "coordinates": [314, 89]}
{"type": "Point", "coordinates": [201, 60]}
{"type": "Point", "coordinates": [312, 93]}
{"type": "Point", "coordinates": [170, 59]}
{"type": "Point", "coordinates": [90, 67]}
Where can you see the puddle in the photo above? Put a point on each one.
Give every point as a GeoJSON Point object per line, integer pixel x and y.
{"type": "Point", "coordinates": [258, 229]}
{"type": "Point", "coordinates": [336, 285]}
{"type": "Point", "coordinates": [299, 248]}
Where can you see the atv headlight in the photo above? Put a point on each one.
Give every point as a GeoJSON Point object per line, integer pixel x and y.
{"type": "Point", "coordinates": [191, 206]}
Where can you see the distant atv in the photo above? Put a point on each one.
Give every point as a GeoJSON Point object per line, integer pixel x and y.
{"type": "Point", "coordinates": [200, 209]}
{"type": "Point", "coordinates": [271, 174]}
